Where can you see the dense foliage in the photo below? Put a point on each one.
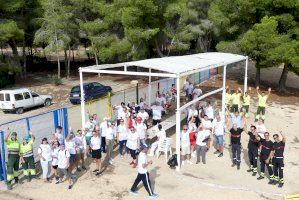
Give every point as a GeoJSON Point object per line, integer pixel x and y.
{"type": "Point", "coordinates": [118, 30]}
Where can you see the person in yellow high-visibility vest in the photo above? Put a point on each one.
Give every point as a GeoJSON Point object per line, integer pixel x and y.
{"type": "Point", "coordinates": [13, 151]}
{"type": "Point", "coordinates": [246, 103]}
{"type": "Point", "coordinates": [236, 100]}
{"type": "Point", "coordinates": [262, 100]}
{"type": "Point", "coordinates": [27, 158]}
{"type": "Point", "coordinates": [228, 98]}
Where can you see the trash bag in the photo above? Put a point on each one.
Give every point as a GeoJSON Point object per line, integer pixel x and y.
{"type": "Point", "coordinates": [173, 162]}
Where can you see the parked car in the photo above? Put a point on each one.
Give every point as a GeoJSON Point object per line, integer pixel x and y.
{"type": "Point", "coordinates": [18, 100]}
{"type": "Point", "coordinates": [92, 90]}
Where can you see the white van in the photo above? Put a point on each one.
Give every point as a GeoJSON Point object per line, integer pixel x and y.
{"type": "Point", "coordinates": [20, 99]}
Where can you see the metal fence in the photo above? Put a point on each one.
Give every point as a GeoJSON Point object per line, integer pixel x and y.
{"type": "Point", "coordinates": [41, 125]}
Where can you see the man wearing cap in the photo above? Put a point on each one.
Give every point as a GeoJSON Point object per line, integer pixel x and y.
{"type": "Point", "coordinates": [141, 129]}
{"type": "Point", "coordinates": [26, 153]}
{"type": "Point", "coordinates": [13, 150]}
{"type": "Point", "coordinates": [143, 174]}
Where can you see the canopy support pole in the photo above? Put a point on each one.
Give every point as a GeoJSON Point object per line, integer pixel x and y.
{"type": "Point", "coordinates": [178, 124]}
{"type": "Point", "coordinates": [82, 99]}
{"type": "Point", "coordinates": [223, 91]}
{"type": "Point", "coordinates": [149, 87]}
{"type": "Point", "coordinates": [245, 78]}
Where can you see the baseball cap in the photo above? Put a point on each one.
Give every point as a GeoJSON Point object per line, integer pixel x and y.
{"type": "Point", "coordinates": [14, 134]}
{"type": "Point", "coordinates": [27, 137]}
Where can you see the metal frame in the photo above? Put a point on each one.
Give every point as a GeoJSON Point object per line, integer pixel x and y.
{"type": "Point", "coordinates": [101, 70]}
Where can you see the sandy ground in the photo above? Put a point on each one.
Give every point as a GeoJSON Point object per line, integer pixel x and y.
{"type": "Point", "coordinates": [215, 180]}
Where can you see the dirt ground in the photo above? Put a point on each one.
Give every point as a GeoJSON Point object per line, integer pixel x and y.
{"type": "Point", "coordinates": [215, 180]}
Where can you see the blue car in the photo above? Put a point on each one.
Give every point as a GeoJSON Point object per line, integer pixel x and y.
{"type": "Point", "coordinates": [92, 90]}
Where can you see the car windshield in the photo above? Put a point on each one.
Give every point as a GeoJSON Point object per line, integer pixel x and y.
{"type": "Point", "coordinates": [75, 89]}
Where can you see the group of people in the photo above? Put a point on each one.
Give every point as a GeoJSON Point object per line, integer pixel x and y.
{"type": "Point", "coordinates": [64, 154]}
{"type": "Point", "coordinates": [204, 124]}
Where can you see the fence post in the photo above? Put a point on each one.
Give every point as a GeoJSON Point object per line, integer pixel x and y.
{"type": "Point", "coordinates": [55, 115]}
{"type": "Point", "coordinates": [2, 158]}
{"type": "Point", "coordinates": [65, 121]}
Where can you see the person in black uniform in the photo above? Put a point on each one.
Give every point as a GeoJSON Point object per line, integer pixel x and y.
{"type": "Point", "coordinates": [277, 159]}
{"type": "Point", "coordinates": [266, 146]}
{"type": "Point", "coordinates": [253, 146]}
{"type": "Point", "coordinates": [235, 138]}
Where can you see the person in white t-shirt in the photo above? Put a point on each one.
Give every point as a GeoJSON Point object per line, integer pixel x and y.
{"type": "Point", "coordinates": [196, 92]}
{"type": "Point", "coordinates": [103, 130]}
{"type": "Point", "coordinates": [209, 111]}
{"type": "Point", "coordinates": [161, 136]}
{"type": "Point", "coordinates": [185, 145]}
{"type": "Point", "coordinates": [55, 149]}
{"type": "Point", "coordinates": [63, 165]}
{"type": "Point", "coordinates": [89, 127]}
{"type": "Point", "coordinates": [190, 91]}
{"type": "Point", "coordinates": [120, 110]}
{"type": "Point", "coordinates": [143, 174]}
{"type": "Point", "coordinates": [218, 131]}
{"type": "Point", "coordinates": [80, 149]}
{"type": "Point", "coordinates": [144, 115]}
{"type": "Point", "coordinates": [261, 128]}
{"type": "Point", "coordinates": [202, 144]}
{"type": "Point", "coordinates": [45, 157]}
{"type": "Point", "coordinates": [110, 135]}
{"type": "Point", "coordinates": [58, 135]}
{"type": "Point", "coordinates": [122, 135]}
{"type": "Point", "coordinates": [157, 113]}
{"type": "Point", "coordinates": [192, 112]}
{"type": "Point", "coordinates": [133, 143]}
{"type": "Point", "coordinates": [206, 124]}
{"type": "Point", "coordinates": [186, 87]}
{"type": "Point", "coordinates": [141, 129]}
{"type": "Point", "coordinates": [161, 100]}
{"type": "Point", "coordinates": [95, 146]}
{"type": "Point", "coordinates": [70, 146]}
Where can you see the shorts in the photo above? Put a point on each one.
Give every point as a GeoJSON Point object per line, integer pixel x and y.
{"type": "Point", "coordinates": [96, 154]}
{"type": "Point", "coordinates": [72, 158]}
{"type": "Point", "coordinates": [219, 139]}
{"type": "Point", "coordinates": [185, 150]}
{"type": "Point", "coordinates": [132, 153]}
{"type": "Point", "coordinates": [63, 172]}
{"type": "Point", "coordinates": [55, 166]}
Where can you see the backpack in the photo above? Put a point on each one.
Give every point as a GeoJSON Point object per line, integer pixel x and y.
{"type": "Point", "coordinates": [173, 162]}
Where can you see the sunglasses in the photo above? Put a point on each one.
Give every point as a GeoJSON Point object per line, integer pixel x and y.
{"type": "Point", "coordinates": [185, 129]}
{"type": "Point", "coordinates": [275, 138]}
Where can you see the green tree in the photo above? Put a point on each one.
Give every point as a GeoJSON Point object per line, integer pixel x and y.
{"type": "Point", "coordinates": [54, 28]}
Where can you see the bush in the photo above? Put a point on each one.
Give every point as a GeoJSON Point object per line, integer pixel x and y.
{"type": "Point", "coordinates": [56, 80]}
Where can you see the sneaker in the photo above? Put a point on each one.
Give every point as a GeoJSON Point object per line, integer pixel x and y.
{"type": "Point", "coordinates": [220, 155]}
{"type": "Point", "coordinates": [9, 186]}
{"type": "Point", "coordinates": [238, 167]}
{"type": "Point", "coordinates": [249, 170]}
{"type": "Point", "coordinates": [271, 182]}
{"type": "Point", "coordinates": [78, 169]}
{"type": "Point", "coordinates": [133, 192]}
{"type": "Point", "coordinates": [83, 167]}
{"type": "Point", "coordinates": [254, 173]}
{"type": "Point", "coordinates": [189, 162]}
{"type": "Point", "coordinates": [183, 162]}
{"type": "Point", "coordinates": [280, 185]}
{"type": "Point", "coordinates": [197, 162]}
{"type": "Point", "coordinates": [204, 162]}
{"type": "Point", "coordinates": [57, 182]}
{"type": "Point", "coordinates": [98, 173]}
{"type": "Point", "coordinates": [260, 178]}
{"type": "Point", "coordinates": [110, 162]}
{"type": "Point", "coordinates": [96, 170]}
{"type": "Point", "coordinates": [233, 164]}
{"type": "Point", "coordinates": [216, 152]}
{"type": "Point", "coordinates": [153, 196]}
{"type": "Point", "coordinates": [70, 187]}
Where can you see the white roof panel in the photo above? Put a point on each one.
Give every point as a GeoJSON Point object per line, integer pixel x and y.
{"type": "Point", "coordinates": [181, 64]}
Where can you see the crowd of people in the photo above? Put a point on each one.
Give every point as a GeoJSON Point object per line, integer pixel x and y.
{"type": "Point", "coordinates": [66, 155]}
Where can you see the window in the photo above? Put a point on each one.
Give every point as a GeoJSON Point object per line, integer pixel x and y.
{"type": "Point", "coordinates": [18, 97]}
{"type": "Point", "coordinates": [7, 97]}
{"type": "Point", "coordinates": [97, 85]}
{"type": "Point", "coordinates": [26, 95]}
{"type": "Point", "coordinates": [34, 94]}
{"type": "Point", "coordinates": [1, 97]}
{"type": "Point", "coordinates": [90, 87]}
{"type": "Point", "coordinates": [75, 89]}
